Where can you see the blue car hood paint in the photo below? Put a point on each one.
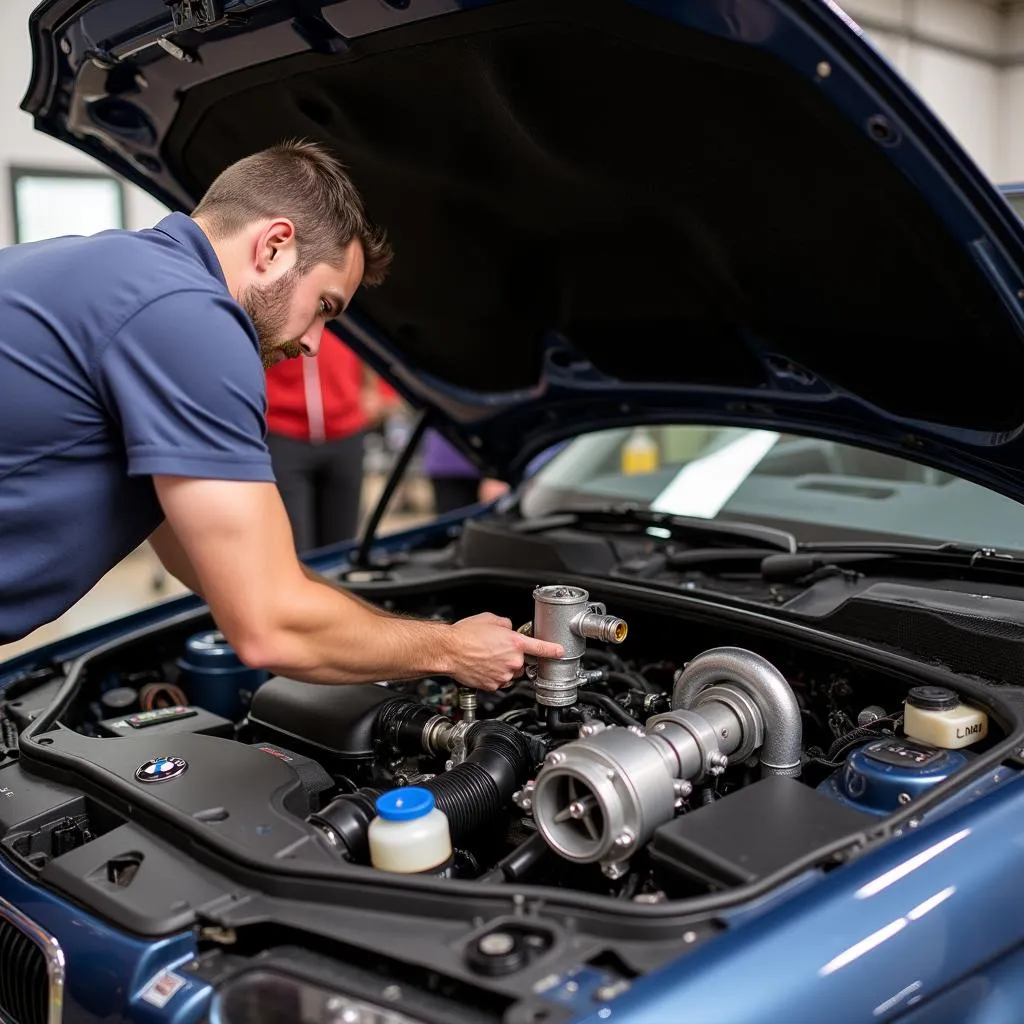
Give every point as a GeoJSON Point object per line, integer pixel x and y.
{"type": "Point", "coordinates": [603, 211]}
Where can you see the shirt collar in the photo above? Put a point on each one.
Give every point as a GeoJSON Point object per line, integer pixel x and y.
{"type": "Point", "coordinates": [186, 232]}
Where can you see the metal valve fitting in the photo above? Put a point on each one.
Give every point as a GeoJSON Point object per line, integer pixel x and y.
{"type": "Point", "coordinates": [565, 615]}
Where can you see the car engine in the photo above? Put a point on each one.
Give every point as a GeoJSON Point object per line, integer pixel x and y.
{"type": "Point", "coordinates": [620, 770]}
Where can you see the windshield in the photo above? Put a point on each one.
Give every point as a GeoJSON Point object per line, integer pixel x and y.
{"type": "Point", "coordinates": [819, 490]}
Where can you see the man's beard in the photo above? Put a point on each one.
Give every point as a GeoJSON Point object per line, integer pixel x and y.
{"type": "Point", "coordinates": [268, 310]}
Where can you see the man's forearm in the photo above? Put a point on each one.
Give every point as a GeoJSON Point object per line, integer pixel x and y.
{"type": "Point", "coordinates": [311, 574]}
{"type": "Point", "coordinates": [327, 635]}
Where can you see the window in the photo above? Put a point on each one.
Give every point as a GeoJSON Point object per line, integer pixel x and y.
{"type": "Point", "coordinates": [48, 203]}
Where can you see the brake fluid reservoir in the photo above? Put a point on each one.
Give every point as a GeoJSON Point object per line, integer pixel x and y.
{"type": "Point", "coordinates": [410, 835]}
{"type": "Point", "coordinates": [883, 775]}
{"type": "Point", "coordinates": [933, 714]}
{"type": "Point", "coordinates": [215, 678]}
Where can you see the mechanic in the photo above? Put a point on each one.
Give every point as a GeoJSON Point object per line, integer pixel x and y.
{"type": "Point", "coordinates": [132, 406]}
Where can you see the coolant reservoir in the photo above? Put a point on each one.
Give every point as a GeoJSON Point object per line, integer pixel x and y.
{"type": "Point", "coordinates": [933, 714]}
{"type": "Point", "coordinates": [410, 835]}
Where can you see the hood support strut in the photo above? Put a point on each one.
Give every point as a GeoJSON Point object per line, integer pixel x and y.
{"type": "Point", "coordinates": [361, 559]}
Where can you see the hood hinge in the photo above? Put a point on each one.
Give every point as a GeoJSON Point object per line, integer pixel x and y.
{"type": "Point", "coordinates": [194, 14]}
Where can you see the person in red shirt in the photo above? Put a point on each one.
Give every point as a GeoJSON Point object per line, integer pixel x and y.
{"type": "Point", "coordinates": [318, 411]}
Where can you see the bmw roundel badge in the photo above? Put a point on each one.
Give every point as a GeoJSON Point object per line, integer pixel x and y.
{"type": "Point", "coordinates": [160, 769]}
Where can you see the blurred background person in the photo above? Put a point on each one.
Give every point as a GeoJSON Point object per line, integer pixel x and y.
{"type": "Point", "coordinates": [319, 409]}
{"type": "Point", "coordinates": [455, 480]}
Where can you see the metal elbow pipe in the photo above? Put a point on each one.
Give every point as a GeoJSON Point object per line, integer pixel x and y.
{"type": "Point", "coordinates": [594, 626]}
{"type": "Point", "coordinates": [766, 687]}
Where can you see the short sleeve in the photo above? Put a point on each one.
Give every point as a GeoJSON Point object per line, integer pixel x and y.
{"type": "Point", "coordinates": [184, 378]}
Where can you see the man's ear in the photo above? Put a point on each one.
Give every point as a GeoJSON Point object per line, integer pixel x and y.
{"type": "Point", "coordinates": [275, 239]}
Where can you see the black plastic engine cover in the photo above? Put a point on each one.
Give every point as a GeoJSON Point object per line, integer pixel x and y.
{"type": "Point", "coordinates": [332, 723]}
{"type": "Point", "coordinates": [752, 833]}
{"type": "Point", "coordinates": [253, 799]}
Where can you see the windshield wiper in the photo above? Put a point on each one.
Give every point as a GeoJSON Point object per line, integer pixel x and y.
{"type": "Point", "coordinates": [634, 519]}
{"type": "Point", "coordinates": [815, 561]}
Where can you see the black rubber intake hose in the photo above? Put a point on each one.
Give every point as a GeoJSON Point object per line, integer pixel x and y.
{"type": "Point", "coordinates": [400, 724]}
{"type": "Point", "coordinates": [475, 792]}
{"type": "Point", "coordinates": [472, 794]}
{"type": "Point", "coordinates": [345, 821]}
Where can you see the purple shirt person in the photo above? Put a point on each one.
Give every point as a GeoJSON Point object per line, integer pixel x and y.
{"type": "Point", "coordinates": [455, 479]}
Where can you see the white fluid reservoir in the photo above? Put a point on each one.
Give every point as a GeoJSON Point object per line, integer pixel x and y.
{"type": "Point", "coordinates": [409, 835]}
{"type": "Point", "coordinates": [935, 715]}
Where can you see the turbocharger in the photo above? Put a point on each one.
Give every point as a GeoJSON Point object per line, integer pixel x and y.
{"type": "Point", "coordinates": [566, 616]}
{"type": "Point", "coordinates": [599, 799]}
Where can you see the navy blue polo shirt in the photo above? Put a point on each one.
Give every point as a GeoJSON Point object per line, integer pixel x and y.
{"type": "Point", "coordinates": [122, 355]}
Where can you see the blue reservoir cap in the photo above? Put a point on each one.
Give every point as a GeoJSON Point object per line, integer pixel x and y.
{"type": "Point", "coordinates": [211, 650]}
{"type": "Point", "coordinates": [405, 804]}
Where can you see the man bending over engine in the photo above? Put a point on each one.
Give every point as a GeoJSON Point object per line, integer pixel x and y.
{"type": "Point", "coordinates": [132, 406]}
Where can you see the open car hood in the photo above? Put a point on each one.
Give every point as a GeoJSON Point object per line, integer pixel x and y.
{"type": "Point", "coordinates": [603, 211]}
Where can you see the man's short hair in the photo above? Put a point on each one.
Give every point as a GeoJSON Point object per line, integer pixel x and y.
{"type": "Point", "coordinates": [306, 184]}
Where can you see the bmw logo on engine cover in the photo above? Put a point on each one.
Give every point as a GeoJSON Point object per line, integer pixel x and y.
{"type": "Point", "coordinates": [160, 769]}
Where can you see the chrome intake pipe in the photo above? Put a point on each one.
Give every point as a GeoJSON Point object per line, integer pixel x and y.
{"type": "Point", "coordinates": [701, 681]}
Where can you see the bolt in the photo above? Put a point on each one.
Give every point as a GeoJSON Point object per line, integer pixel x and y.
{"type": "Point", "coordinates": [689, 937]}
{"type": "Point", "coordinates": [577, 810]}
{"type": "Point", "coordinates": [592, 729]}
{"type": "Point", "coordinates": [614, 869]}
{"type": "Point", "coordinates": [649, 897]}
{"type": "Point", "coordinates": [682, 787]}
{"type": "Point", "coordinates": [610, 775]}
{"type": "Point", "coordinates": [904, 798]}
{"type": "Point", "coordinates": [660, 727]}
{"type": "Point", "coordinates": [606, 992]}
{"type": "Point", "coordinates": [554, 758]}
{"type": "Point", "coordinates": [625, 838]}
{"type": "Point", "coordinates": [496, 944]}
{"type": "Point", "coordinates": [824, 69]}
{"type": "Point", "coordinates": [449, 765]}
{"type": "Point", "coordinates": [914, 823]}
{"type": "Point", "coordinates": [65, 46]}
{"type": "Point", "coordinates": [392, 993]}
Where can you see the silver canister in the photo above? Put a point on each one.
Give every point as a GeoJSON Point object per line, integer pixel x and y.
{"type": "Point", "coordinates": [566, 616]}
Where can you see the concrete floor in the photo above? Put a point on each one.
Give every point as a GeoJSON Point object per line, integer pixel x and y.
{"type": "Point", "coordinates": [129, 586]}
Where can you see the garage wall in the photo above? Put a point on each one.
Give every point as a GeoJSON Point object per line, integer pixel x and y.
{"type": "Point", "coordinates": [21, 145]}
{"type": "Point", "coordinates": [966, 57]}
{"type": "Point", "coordinates": [1012, 113]}
{"type": "Point", "coordinates": [951, 50]}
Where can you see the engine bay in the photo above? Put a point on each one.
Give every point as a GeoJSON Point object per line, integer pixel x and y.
{"type": "Point", "coordinates": [662, 758]}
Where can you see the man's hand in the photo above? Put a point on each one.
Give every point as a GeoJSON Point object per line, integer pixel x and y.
{"type": "Point", "coordinates": [491, 490]}
{"type": "Point", "coordinates": [488, 652]}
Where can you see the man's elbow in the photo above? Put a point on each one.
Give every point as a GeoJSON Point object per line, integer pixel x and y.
{"type": "Point", "coordinates": [263, 650]}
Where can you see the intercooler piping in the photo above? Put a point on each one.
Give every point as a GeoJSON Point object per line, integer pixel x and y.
{"type": "Point", "coordinates": [601, 798]}
{"type": "Point", "coordinates": [766, 687]}
{"type": "Point", "coordinates": [494, 761]}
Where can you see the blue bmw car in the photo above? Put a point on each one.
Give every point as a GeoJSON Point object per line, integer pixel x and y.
{"type": "Point", "coordinates": [744, 327]}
